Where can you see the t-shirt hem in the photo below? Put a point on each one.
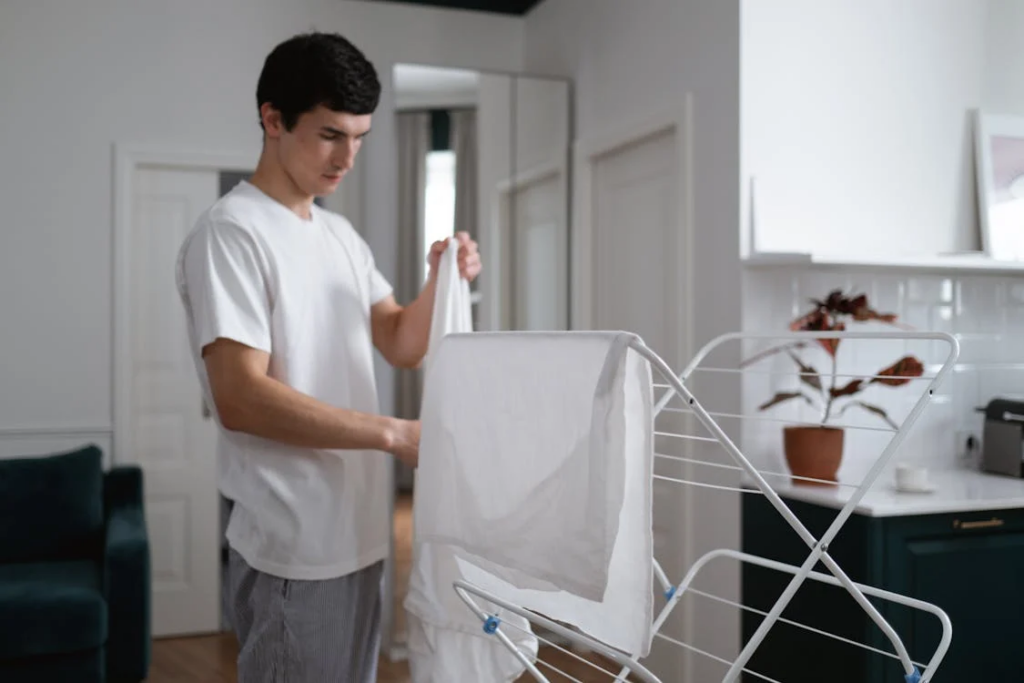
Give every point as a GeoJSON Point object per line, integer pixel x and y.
{"type": "Point", "coordinates": [260, 342]}
{"type": "Point", "coordinates": [314, 573]}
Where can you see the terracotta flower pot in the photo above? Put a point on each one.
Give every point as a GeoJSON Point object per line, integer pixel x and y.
{"type": "Point", "coordinates": [813, 452]}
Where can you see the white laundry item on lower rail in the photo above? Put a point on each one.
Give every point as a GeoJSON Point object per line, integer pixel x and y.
{"type": "Point", "coordinates": [536, 458]}
{"type": "Point", "coordinates": [446, 640]}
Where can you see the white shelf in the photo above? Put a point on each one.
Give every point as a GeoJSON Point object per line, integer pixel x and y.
{"type": "Point", "coordinates": [976, 263]}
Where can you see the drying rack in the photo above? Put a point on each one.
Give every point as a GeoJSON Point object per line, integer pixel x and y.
{"type": "Point", "coordinates": [678, 390]}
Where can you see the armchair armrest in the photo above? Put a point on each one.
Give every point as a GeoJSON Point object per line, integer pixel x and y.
{"type": "Point", "coordinates": [126, 575]}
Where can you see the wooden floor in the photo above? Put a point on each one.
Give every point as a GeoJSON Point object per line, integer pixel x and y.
{"type": "Point", "coordinates": [211, 659]}
{"type": "Point", "coordinates": [403, 561]}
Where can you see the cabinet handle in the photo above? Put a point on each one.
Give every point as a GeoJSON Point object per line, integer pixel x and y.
{"type": "Point", "coordinates": [984, 524]}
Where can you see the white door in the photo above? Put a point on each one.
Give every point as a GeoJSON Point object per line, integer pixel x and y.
{"type": "Point", "coordinates": [168, 431]}
{"type": "Point", "coordinates": [635, 226]}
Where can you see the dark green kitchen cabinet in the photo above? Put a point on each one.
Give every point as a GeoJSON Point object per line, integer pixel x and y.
{"type": "Point", "coordinates": [970, 564]}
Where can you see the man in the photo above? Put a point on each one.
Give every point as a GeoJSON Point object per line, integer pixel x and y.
{"type": "Point", "coordinates": [285, 305]}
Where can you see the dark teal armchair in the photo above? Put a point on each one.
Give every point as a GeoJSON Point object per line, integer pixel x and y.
{"type": "Point", "coordinates": [74, 571]}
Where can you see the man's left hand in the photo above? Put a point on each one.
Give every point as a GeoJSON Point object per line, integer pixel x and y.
{"type": "Point", "coordinates": [469, 255]}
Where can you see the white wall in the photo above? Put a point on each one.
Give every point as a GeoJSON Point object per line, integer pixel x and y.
{"type": "Point", "coordinates": [78, 77]}
{"type": "Point", "coordinates": [856, 120]}
{"type": "Point", "coordinates": [629, 61]}
{"type": "Point", "coordinates": [1004, 87]}
{"type": "Point", "coordinates": [542, 110]}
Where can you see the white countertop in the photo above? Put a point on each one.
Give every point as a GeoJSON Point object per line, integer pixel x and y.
{"type": "Point", "coordinates": [953, 491]}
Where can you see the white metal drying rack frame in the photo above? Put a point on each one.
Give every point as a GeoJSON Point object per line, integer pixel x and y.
{"type": "Point", "coordinates": [677, 388]}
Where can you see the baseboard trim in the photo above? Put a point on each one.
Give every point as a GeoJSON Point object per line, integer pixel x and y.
{"type": "Point", "coordinates": [56, 430]}
{"type": "Point", "coordinates": [38, 440]}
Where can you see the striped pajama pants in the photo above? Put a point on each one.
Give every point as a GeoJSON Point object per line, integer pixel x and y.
{"type": "Point", "coordinates": [305, 631]}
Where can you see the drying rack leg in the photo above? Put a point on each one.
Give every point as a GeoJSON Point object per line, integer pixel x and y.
{"type": "Point", "coordinates": [492, 626]}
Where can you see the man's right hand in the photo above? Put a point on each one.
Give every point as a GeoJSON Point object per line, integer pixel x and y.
{"type": "Point", "coordinates": [248, 400]}
{"type": "Point", "coordinates": [405, 441]}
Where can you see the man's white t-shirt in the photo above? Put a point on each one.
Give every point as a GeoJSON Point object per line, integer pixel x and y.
{"type": "Point", "coordinates": [301, 290]}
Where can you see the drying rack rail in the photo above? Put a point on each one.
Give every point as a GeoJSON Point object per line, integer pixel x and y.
{"type": "Point", "coordinates": [680, 398]}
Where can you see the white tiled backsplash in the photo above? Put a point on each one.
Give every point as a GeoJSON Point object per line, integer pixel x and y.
{"type": "Point", "coordinates": [985, 312]}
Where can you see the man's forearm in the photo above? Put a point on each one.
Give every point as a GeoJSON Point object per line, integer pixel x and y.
{"type": "Point", "coordinates": [271, 409]}
{"type": "Point", "coordinates": [412, 331]}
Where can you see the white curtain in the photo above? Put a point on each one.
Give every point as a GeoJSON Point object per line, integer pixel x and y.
{"type": "Point", "coordinates": [413, 145]}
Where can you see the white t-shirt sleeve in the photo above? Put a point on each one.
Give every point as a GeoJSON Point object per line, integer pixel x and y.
{"type": "Point", "coordinates": [226, 279]}
{"type": "Point", "coordinates": [380, 288]}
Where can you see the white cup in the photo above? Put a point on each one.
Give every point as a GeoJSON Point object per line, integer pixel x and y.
{"type": "Point", "coordinates": [912, 478]}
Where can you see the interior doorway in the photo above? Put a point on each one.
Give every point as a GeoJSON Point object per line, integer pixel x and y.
{"type": "Point", "coordinates": [161, 422]}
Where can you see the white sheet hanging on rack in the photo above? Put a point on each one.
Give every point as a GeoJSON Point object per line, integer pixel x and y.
{"type": "Point", "coordinates": [542, 446]}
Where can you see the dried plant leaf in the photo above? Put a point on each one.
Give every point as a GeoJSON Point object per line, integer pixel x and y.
{"type": "Point", "coordinates": [855, 306]}
{"type": "Point", "coordinates": [880, 412]}
{"type": "Point", "coordinates": [838, 303]}
{"type": "Point", "coordinates": [783, 396]}
{"type": "Point", "coordinates": [849, 389]}
{"type": "Point", "coordinates": [819, 320]}
{"type": "Point", "coordinates": [899, 372]}
{"type": "Point", "coordinates": [832, 345]}
{"type": "Point", "coordinates": [866, 314]}
{"type": "Point", "coordinates": [808, 375]}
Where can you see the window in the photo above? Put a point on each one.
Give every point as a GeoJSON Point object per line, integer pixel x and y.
{"type": "Point", "coordinates": [439, 200]}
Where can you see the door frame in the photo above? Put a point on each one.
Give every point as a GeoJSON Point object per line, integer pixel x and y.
{"type": "Point", "coordinates": [504, 235]}
{"type": "Point", "coordinates": [127, 159]}
{"type": "Point", "coordinates": [679, 119]}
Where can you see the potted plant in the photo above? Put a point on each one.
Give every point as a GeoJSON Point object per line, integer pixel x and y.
{"type": "Point", "coordinates": [816, 451]}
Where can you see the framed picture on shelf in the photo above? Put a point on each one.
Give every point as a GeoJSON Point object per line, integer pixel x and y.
{"type": "Point", "coordinates": [999, 156]}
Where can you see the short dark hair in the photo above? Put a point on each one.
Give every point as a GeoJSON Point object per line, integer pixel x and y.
{"type": "Point", "coordinates": [314, 69]}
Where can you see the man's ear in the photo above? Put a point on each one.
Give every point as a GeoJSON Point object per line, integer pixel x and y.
{"type": "Point", "coordinates": [273, 124]}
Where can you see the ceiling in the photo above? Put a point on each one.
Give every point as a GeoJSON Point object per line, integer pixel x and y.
{"type": "Point", "coordinates": [514, 7]}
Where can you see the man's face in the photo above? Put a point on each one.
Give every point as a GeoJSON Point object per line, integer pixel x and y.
{"type": "Point", "coordinates": [320, 149]}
